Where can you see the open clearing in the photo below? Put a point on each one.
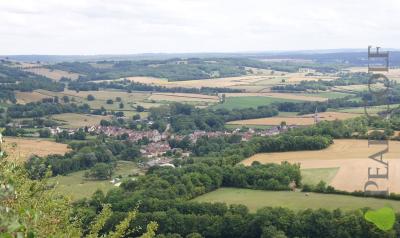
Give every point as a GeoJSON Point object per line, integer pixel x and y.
{"type": "Point", "coordinates": [249, 101]}
{"type": "Point", "coordinates": [297, 120]}
{"type": "Point", "coordinates": [19, 149]}
{"type": "Point", "coordinates": [53, 74]}
{"type": "Point", "coordinates": [77, 186]}
{"type": "Point", "coordinates": [350, 156]}
{"type": "Point", "coordinates": [256, 199]}
{"type": "Point", "coordinates": [74, 120]}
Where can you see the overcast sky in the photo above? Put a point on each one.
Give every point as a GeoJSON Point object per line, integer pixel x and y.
{"type": "Point", "coordinates": [150, 26]}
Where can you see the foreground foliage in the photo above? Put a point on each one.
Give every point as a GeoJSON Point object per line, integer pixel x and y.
{"type": "Point", "coordinates": [30, 208]}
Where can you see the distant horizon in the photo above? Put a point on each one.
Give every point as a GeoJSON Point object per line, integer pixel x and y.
{"type": "Point", "coordinates": [272, 52]}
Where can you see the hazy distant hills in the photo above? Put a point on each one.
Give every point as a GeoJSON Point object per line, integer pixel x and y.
{"type": "Point", "coordinates": [352, 57]}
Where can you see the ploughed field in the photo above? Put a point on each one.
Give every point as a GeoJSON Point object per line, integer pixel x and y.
{"type": "Point", "coordinates": [351, 157]}
{"type": "Point", "coordinates": [256, 199]}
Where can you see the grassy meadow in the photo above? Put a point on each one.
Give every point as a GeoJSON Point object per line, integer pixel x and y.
{"type": "Point", "coordinates": [249, 101]}
{"type": "Point", "coordinates": [256, 199]}
{"type": "Point", "coordinates": [314, 176]}
{"type": "Point", "coordinates": [76, 186]}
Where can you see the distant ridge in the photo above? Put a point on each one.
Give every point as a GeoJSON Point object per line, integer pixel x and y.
{"type": "Point", "coordinates": [347, 56]}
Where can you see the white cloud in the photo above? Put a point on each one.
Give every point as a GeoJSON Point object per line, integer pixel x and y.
{"type": "Point", "coordinates": [134, 26]}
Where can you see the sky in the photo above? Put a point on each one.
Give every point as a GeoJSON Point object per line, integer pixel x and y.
{"type": "Point", "coordinates": [87, 27]}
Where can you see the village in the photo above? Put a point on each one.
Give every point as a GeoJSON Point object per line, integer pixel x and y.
{"type": "Point", "coordinates": [155, 151]}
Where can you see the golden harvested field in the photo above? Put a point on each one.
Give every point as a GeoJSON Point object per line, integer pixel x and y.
{"type": "Point", "coordinates": [296, 120]}
{"type": "Point", "coordinates": [280, 95]}
{"type": "Point", "coordinates": [148, 80]}
{"type": "Point", "coordinates": [53, 74]}
{"type": "Point", "coordinates": [19, 149]}
{"type": "Point", "coordinates": [351, 156]}
{"type": "Point", "coordinates": [183, 97]}
{"type": "Point", "coordinates": [99, 95]}
{"type": "Point", "coordinates": [259, 80]}
{"type": "Point", "coordinates": [74, 120]}
{"type": "Point", "coordinates": [27, 97]}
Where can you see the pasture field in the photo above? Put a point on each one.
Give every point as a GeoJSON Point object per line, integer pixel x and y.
{"type": "Point", "coordinates": [76, 186]}
{"type": "Point", "coordinates": [256, 199]}
{"type": "Point", "coordinates": [74, 120]}
{"type": "Point", "coordinates": [350, 156]}
{"type": "Point", "coordinates": [302, 120]}
{"type": "Point", "coordinates": [249, 101]}
{"type": "Point", "coordinates": [19, 149]}
{"type": "Point", "coordinates": [314, 176]}
{"type": "Point", "coordinates": [53, 74]}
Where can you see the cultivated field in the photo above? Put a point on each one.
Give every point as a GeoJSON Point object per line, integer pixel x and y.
{"type": "Point", "coordinates": [352, 88]}
{"type": "Point", "coordinates": [74, 120]}
{"type": "Point", "coordinates": [297, 120]}
{"type": "Point", "coordinates": [290, 96]}
{"type": "Point", "coordinates": [326, 95]}
{"type": "Point", "coordinates": [250, 101]}
{"type": "Point", "coordinates": [53, 74]}
{"type": "Point", "coordinates": [370, 110]}
{"type": "Point", "coordinates": [149, 80]}
{"type": "Point", "coordinates": [19, 149]}
{"type": "Point", "coordinates": [130, 100]}
{"type": "Point", "coordinates": [350, 156]}
{"type": "Point", "coordinates": [256, 199]}
{"type": "Point", "coordinates": [260, 80]}
{"type": "Point", "coordinates": [27, 97]}
{"type": "Point", "coordinates": [183, 97]}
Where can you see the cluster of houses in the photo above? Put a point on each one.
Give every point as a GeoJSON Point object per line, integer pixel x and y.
{"type": "Point", "coordinates": [132, 135]}
{"type": "Point", "coordinates": [158, 146]}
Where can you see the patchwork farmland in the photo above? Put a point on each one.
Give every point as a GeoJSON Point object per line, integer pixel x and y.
{"type": "Point", "coordinates": [303, 120]}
